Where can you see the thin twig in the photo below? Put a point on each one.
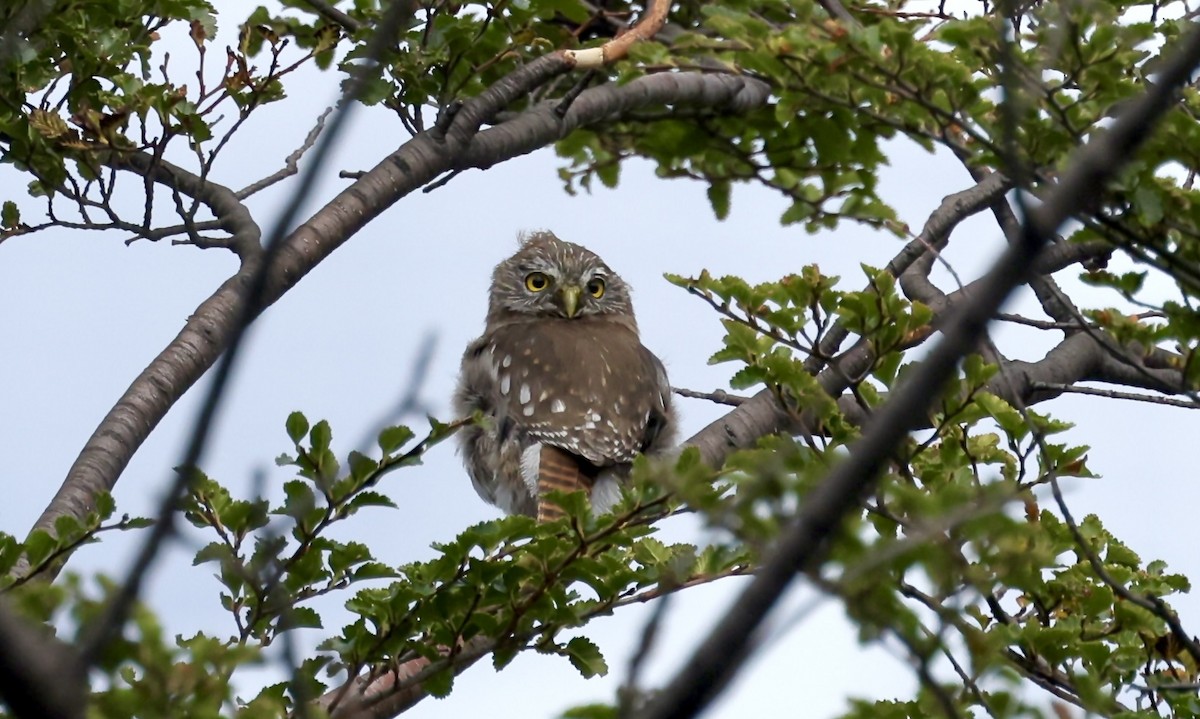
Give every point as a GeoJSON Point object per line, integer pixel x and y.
{"type": "Point", "coordinates": [1116, 394]}
{"type": "Point", "coordinates": [290, 163]}
{"type": "Point", "coordinates": [718, 396]}
{"type": "Point", "coordinates": [329, 12]}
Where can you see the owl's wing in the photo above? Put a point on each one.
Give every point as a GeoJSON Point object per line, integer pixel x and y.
{"type": "Point", "coordinates": [491, 457]}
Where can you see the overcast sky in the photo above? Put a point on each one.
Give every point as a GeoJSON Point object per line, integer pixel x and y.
{"type": "Point", "coordinates": [82, 314]}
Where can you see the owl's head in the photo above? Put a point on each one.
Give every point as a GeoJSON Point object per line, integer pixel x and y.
{"type": "Point", "coordinates": [549, 277]}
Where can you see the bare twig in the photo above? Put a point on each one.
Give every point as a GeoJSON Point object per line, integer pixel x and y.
{"type": "Point", "coordinates": [629, 692]}
{"type": "Point", "coordinates": [410, 403]}
{"type": "Point", "coordinates": [290, 163]}
{"type": "Point", "coordinates": [1115, 394]}
{"type": "Point", "coordinates": [329, 12]}
{"type": "Point", "coordinates": [1039, 324]}
{"type": "Point", "coordinates": [719, 396]}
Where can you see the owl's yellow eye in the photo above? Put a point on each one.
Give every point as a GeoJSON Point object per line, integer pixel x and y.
{"type": "Point", "coordinates": [595, 287]}
{"type": "Point", "coordinates": [536, 281]}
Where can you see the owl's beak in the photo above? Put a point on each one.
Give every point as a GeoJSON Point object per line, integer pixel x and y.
{"type": "Point", "coordinates": [570, 299]}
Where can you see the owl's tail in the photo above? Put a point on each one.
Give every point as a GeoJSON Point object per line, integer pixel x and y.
{"type": "Point", "coordinates": [558, 471]}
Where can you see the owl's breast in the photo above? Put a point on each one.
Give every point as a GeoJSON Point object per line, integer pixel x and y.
{"type": "Point", "coordinates": [587, 386]}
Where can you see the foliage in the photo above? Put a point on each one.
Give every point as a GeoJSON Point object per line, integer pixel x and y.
{"type": "Point", "coordinates": [964, 553]}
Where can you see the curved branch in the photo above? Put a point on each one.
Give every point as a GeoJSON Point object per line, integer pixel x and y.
{"type": "Point", "coordinates": [416, 163]}
{"type": "Point", "coordinates": [166, 378]}
{"type": "Point", "coordinates": [537, 127]}
{"type": "Point", "coordinates": [934, 235]}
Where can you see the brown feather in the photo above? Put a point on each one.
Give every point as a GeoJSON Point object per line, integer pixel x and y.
{"type": "Point", "coordinates": [558, 471]}
{"type": "Point", "coordinates": [571, 387]}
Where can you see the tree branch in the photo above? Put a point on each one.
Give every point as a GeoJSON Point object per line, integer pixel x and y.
{"type": "Point", "coordinates": [935, 234]}
{"type": "Point", "coordinates": [42, 676]}
{"type": "Point", "coordinates": [146, 401]}
{"type": "Point", "coordinates": [414, 164]}
{"type": "Point", "coordinates": [801, 545]}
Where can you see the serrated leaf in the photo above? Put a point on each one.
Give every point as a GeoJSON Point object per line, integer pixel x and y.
{"type": "Point", "coordinates": [719, 196]}
{"type": "Point", "coordinates": [320, 437]}
{"type": "Point", "coordinates": [105, 505]}
{"type": "Point", "coordinates": [370, 499]}
{"type": "Point", "coordinates": [393, 438]}
{"type": "Point", "coordinates": [212, 552]}
{"type": "Point", "coordinates": [373, 570]}
{"type": "Point", "coordinates": [361, 466]}
{"type": "Point", "coordinates": [439, 684]}
{"type": "Point", "coordinates": [301, 618]}
{"type": "Point", "coordinates": [586, 657]}
{"type": "Point", "coordinates": [10, 215]}
{"type": "Point", "coordinates": [39, 545]}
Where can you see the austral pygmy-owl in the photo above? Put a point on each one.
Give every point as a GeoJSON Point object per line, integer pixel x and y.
{"type": "Point", "coordinates": [568, 393]}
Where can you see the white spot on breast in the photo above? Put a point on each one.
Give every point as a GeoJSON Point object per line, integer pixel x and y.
{"type": "Point", "coordinates": [543, 395]}
{"type": "Point", "coordinates": [506, 361]}
{"type": "Point", "coordinates": [525, 394]}
{"type": "Point", "coordinates": [505, 383]}
{"type": "Point", "coordinates": [594, 416]}
{"type": "Point", "coordinates": [558, 406]}
{"type": "Point", "coordinates": [528, 411]}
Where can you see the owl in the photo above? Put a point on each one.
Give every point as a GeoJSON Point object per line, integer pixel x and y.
{"type": "Point", "coordinates": [568, 393]}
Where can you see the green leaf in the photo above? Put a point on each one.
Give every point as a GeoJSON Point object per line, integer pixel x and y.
{"type": "Point", "coordinates": [369, 499]}
{"type": "Point", "coordinates": [361, 466]}
{"type": "Point", "coordinates": [586, 657]}
{"type": "Point", "coordinates": [718, 197]}
{"type": "Point", "coordinates": [301, 618]}
{"type": "Point", "coordinates": [591, 711]}
{"type": "Point", "coordinates": [439, 683]}
{"type": "Point", "coordinates": [10, 215]}
{"type": "Point", "coordinates": [320, 436]}
{"type": "Point", "coordinates": [393, 438]}
{"type": "Point", "coordinates": [297, 426]}
{"type": "Point", "coordinates": [39, 546]}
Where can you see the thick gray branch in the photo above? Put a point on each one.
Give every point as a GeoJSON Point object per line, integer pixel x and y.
{"type": "Point", "coordinates": [941, 222]}
{"type": "Point", "coordinates": [537, 127]}
{"type": "Point", "coordinates": [416, 163]}
{"type": "Point", "coordinates": [159, 386]}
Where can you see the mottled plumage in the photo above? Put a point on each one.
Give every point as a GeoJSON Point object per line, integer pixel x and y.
{"type": "Point", "coordinates": [569, 394]}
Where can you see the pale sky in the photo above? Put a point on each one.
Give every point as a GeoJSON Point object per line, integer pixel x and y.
{"type": "Point", "coordinates": [83, 314]}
